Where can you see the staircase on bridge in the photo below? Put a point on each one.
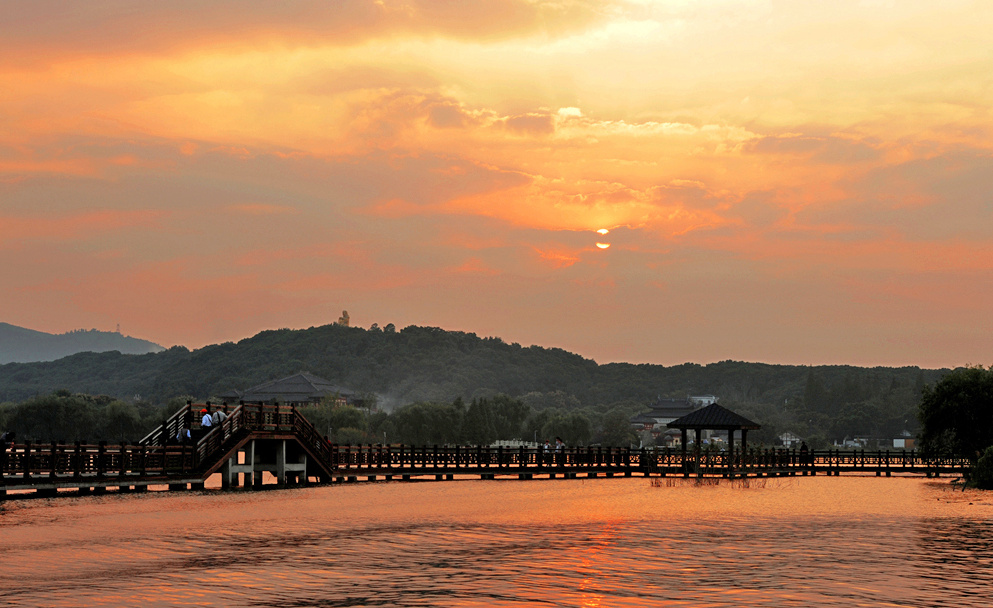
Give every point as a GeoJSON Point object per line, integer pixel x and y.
{"type": "Point", "coordinates": [252, 439]}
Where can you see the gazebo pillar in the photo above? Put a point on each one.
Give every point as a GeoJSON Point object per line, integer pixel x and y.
{"type": "Point", "coordinates": [730, 452]}
{"type": "Point", "coordinates": [696, 453]}
{"type": "Point", "coordinates": [744, 446]}
{"type": "Point", "coordinates": [686, 469]}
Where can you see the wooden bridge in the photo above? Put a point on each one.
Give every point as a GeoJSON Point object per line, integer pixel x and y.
{"type": "Point", "coordinates": [256, 439]}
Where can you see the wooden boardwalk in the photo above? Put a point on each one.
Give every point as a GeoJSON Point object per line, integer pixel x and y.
{"type": "Point", "coordinates": [256, 439]}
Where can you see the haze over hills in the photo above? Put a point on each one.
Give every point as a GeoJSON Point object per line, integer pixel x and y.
{"type": "Point", "coordinates": [22, 345]}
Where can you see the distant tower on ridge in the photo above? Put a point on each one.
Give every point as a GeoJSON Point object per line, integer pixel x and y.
{"type": "Point", "coordinates": [343, 319]}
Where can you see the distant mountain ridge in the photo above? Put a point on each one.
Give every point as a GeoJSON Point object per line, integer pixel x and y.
{"type": "Point", "coordinates": [22, 345]}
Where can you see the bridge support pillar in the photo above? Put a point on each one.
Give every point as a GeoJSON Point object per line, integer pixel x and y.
{"type": "Point", "coordinates": [263, 455]}
{"type": "Point", "coordinates": [450, 477]}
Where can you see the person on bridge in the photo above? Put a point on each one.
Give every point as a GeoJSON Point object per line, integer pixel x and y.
{"type": "Point", "coordinates": [205, 422]}
{"type": "Point", "coordinates": [183, 436]}
{"type": "Point", "coordinates": [218, 417]}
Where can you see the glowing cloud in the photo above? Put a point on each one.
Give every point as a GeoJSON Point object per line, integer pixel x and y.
{"type": "Point", "coordinates": [840, 150]}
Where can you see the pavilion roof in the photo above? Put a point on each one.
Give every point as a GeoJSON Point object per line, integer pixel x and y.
{"type": "Point", "coordinates": [713, 417]}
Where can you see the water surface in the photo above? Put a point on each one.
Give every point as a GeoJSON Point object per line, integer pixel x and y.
{"type": "Point", "coordinates": [821, 541]}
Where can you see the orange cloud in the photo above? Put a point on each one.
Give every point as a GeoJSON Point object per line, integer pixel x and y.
{"type": "Point", "coordinates": [262, 209]}
{"type": "Point", "coordinates": [74, 226]}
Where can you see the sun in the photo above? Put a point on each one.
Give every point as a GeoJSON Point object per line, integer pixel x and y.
{"type": "Point", "coordinates": [601, 232]}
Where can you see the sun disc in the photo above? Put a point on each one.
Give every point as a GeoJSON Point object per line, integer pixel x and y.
{"type": "Point", "coordinates": [603, 245]}
{"type": "Point", "coordinates": [602, 231]}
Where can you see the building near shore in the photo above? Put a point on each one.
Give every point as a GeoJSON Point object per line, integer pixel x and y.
{"type": "Point", "coordinates": [299, 389]}
{"type": "Point", "coordinates": [664, 411]}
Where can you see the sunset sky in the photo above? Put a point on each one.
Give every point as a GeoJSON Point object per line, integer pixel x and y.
{"type": "Point", "coordinates": [782, 181]}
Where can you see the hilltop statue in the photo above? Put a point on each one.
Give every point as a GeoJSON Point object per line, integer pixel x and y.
{"type": "Point", "coordinates": [343, 319]}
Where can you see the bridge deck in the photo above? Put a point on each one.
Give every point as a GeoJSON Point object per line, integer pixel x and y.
{"type": "Point", "coordinates": [157, 461]}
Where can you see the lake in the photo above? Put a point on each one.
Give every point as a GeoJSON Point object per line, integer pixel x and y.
{"type": "Point", "coordinates": [797, 541]}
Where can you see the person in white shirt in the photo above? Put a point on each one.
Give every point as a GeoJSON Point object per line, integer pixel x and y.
{"type": "Point", "coordinates": [205, 423]}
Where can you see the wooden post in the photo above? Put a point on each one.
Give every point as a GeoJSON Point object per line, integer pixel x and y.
{"type": "Point", "coordinates": [101, 452]}
{"type": "Point", "coordinates": [55, 460]}
{"type": "Point", "coordinates": [26, 463]}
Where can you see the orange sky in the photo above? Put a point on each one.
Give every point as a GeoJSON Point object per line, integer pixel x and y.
{"type": "Point", "coordinates": [786, 182]}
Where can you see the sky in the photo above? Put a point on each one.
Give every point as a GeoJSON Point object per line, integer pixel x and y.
{"type": "Point", "coordinates": [779, 181]}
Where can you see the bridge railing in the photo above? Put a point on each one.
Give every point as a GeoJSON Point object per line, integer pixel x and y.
{"type": "Point", "coordinates": [40, 462]}
{"type": "Point", "coordinates": [645, 460]}
{"type": "Point", "coordinates": [188, 417]}
{"type": "Point", "coordinates": [30, 462]}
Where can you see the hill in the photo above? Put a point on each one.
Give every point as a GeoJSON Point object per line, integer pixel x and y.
{"type": "Point", "coordinates": [431, 364]}
{"type": "Point", "coordinates": [21, 345]}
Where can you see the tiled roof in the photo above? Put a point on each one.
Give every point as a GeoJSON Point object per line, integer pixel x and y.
{"type": "Point", "coordinates": [298, 388]}
{"type": "Point", "coordinates": [713, 417]}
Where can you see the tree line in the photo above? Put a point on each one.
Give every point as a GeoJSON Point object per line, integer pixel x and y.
{"type": "Point", "coordinates": [66, 417]}
{"type": "Point", "coordinates": [427, 365]}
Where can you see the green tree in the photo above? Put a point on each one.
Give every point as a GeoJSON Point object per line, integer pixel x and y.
{"type": "Point", "coordinates": [956, 415]}
{"type": "Point", "coordinates": [120, 421]}
{"type": "Point", "coordinates": [617, 430]}
{"type": "Point", "coordinates": [982, 473]}
{"type": "Point", "coordinates": [574, 428]}
{"type": "Point", "coordinates": [427, 423]}
{"type": "Point", "coordinates": [479, 428]}
{"type": "Point", "coordinates": [509, 415]}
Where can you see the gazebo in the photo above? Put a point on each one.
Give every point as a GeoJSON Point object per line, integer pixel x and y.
{"type": "Point", "coordinates": [714, 418]}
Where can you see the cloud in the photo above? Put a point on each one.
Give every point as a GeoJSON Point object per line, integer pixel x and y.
{"type": "Point", "coordinates": [829, 149]}
{"type": "Point", "coordinates": [531, 124]}
{"type": "Point", "coordinates": [73, 227]}
{"type": "Point", "coordinates": [47, 30]}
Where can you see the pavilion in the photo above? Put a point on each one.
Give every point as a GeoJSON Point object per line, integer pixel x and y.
{"type": "Point", "coordinates": [714, 418]}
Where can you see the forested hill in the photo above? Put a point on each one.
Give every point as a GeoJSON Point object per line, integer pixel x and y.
{"type": "Point", "coordinates": [431, 364]}
{"type": "Point", "coordinates": [22, 345]}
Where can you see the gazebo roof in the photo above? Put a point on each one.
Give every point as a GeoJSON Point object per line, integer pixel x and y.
{"type": "Point", "coordinates": [713, 417]}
